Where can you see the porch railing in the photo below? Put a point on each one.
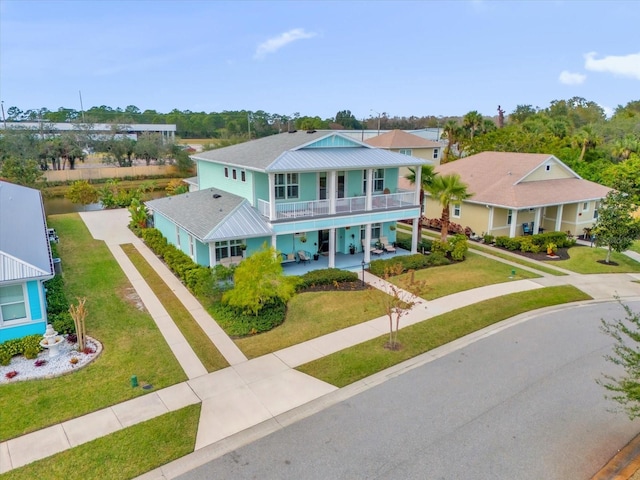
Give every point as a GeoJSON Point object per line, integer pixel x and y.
{"type": "Point", "coordinates": [312, 208]}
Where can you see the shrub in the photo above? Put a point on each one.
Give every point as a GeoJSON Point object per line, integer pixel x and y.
{"type": "Point", "coordinates": [238, 324]}
{"type": "Point", "coordinates": [62, 323]}
{"type": "Point", "coordinates": [459, 245]}
{"type": "Point", "coordinates": [56, 298]}
{"type": "Point", "coordinates": [408, 262]}
{"type": "Point", "coordinates": [488, 239]}
{"type": "Point", "coordinates": [28, 346]}
{"type": "Point", "coordinates": [327, 276]}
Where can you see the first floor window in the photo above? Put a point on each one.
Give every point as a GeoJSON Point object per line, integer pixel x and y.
{"type": "Point", "coordinates": [509, 217]}
{"type": "Point", "coordinates": [435, 153]}
{"type": "Point", "coordinates": [585, 207]}
{"type": "Point", "coordinates": [12, 305]}
{"type": "Point", "coordinates": [375, 231]}
{"type": "Point", "coordinates": [456, 210]}
{"type": "Point", "coordinates": [231, 248]}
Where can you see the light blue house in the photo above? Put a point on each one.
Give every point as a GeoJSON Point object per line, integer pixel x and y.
{"type": "Point", "coordinates": [25, 262]}
{"type": "Point", "coordinates": [317, 191]}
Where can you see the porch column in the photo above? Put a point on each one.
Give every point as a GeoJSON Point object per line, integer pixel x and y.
{"type": "Point", "coordinates": [367, 242]}
{"type": "Point", "coordinates": [414, 235]}
{"type": "Point", "coordinates": [538, 219]}
{"type": "Point", "coordinates": [332, 248]}
{"type": "Point", "coordinates": [559, 217]}
{"type": "Point", "coordinates": [272, 196]}
{"type": "Point", "coordinates": [212, 254]}
{"type": "Point", "coordinates": [369, 192]}
{"type": "Point", "coordinates": [514, 223]}
{"type": "Point", "coordinates": [490, 220]}
{"type": "Point", "coordinates": [417, 184]}
{"type": "Point", "coordinates": [333, 193]}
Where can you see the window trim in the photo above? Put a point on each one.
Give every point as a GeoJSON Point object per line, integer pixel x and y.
{"type": "Point", "coordinates": [286, 186]}
{"type": "Point", "coordinates": [13, 321]}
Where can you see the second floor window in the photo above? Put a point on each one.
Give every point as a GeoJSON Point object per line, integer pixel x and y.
{"type": "Point", "coordinates": [378, 180]}
{"type": "Point", "coordinates": [286, 185]}
{"type": "Point", "coordinates": [405, 151]}
{"type": "Point", "coordinates": [456, 210]}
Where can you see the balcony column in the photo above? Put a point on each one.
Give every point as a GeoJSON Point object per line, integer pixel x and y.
{"type": "Point", "coordinates": [332, 248]}
{"type": "Point", "coordinates": [414, 235]}
{"type": "Point", "coordinates": [368, 193]}
{"type": "Point", "coordinates": [272, 196]}
{"type": "Point", "coordinates": [418, 184]}
{"type": "Point", "coordinates": [333, 193]}
{"type": "Point", "coordinates": [367, 242]}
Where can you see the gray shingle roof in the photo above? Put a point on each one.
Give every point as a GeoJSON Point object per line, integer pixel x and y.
{"type": "Point", "coordinates": [24, 244]}
{"type": "Point", "coordinates": [210, 218]}
{"type": "Point", "coordinates": [283, 152]}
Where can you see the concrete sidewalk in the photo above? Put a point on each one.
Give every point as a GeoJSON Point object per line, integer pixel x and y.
{"type": "Point", "coordinates": [253, 397]}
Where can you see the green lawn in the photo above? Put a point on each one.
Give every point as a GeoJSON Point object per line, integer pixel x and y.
{"type": "Point", "coordinates": [124, 454]}
{"type": "Point", "coordinates": [355, 363]}
{"type": "Point", "coordinates": [475, 271]}
{"type": "Point", "coordinates": [635, 247]}
{"type": "Point", "coordinates": [312, 314]}
{"type": "Point", "coordinates": [586, 260]}
{"type": "Point", "coordinates": [206, 351]}
{"type": "Point", "coordinates": [132, 343]}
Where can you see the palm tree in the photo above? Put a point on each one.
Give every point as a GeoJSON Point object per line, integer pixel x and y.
{"type": "Point", "coordinates": [473, 121]}
{"type": "Point", "coordinates": [585, 139]}
{"type": "Point", "coordinates": [450, 131]}
{"type": "Point", "coordinates": [622, 149]}
{"type": "Point", "coordinates": [447, 189]}
{"type": "Point", "coordinates": [426, 178]}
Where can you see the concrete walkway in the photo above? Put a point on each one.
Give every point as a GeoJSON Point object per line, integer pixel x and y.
{"type": "Point", "coordinates": [251, 398]}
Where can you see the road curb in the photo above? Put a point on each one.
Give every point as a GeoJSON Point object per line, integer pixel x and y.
{"type": "Point", "coordinates": [623, 465]}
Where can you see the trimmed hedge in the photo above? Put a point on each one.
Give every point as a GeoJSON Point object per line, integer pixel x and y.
{"type": "Point", "coordinates": [423, 246]}
{"type": "Point", "coordinates": [408, 262]}
{"type": "Point", "coordinates": [327, 276]}
{"type": "Point", "coordinates": [238, 324]}
{"type": "Point", "coordinates": [535, 243]}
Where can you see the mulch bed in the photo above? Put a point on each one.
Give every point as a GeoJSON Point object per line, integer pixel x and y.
{"type": "Point", "coordinates": [340, 287]}
{"type": "Point", "coordinates": [561, 254]}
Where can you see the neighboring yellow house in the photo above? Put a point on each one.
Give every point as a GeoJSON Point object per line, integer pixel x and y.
{"type": "Point", "coordinates": [408, 144]}
{"type": "Point", "coordinates": [519, 193]}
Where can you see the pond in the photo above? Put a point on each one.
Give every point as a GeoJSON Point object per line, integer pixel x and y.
{"type": "Point", "coordinates": [59, 205]}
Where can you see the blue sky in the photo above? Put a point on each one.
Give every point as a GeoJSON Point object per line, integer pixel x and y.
{"type": "Point", "coordinates": [318, 57]}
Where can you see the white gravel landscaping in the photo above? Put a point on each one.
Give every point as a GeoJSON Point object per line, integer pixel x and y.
{"type": "Point", "coordinates": [56, 366]}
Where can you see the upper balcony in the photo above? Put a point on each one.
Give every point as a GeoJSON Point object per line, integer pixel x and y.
{"type": "Point", "coordinates": [316, 208]}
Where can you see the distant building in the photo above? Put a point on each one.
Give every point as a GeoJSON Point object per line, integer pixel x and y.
{"type": "Point", "coordinates": [168, 131]}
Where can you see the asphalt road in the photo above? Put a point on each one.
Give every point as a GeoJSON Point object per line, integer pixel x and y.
{"type": "Point", "coordinates": [520, 404]}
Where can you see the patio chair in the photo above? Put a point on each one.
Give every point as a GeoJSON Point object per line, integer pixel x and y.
{"type": "Point", "coordinates": [374, 250]}
{"type": "Point", "coordinates": [526, 229]}
{"type": "Point", "coordinates": [303, 256]}
{"type": "Point", "coordinates": [387, 246]}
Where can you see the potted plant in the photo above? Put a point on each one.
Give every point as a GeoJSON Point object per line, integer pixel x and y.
{"type": "Point", "coordinates": [352, 249]}
{"type": "Point", "coordinates": [316, 255]}
{"type": "Point", "coordinates": [392, 228]}
{"type": "Point", "coordinates": [303, 239]}
{"type": "Point", "coordinates": [551, 248]}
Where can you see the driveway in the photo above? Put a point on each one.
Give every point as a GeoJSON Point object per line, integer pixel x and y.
{"type": "Point", "coordinates": [522, 403]}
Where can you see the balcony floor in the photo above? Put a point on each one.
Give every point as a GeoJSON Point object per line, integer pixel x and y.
{"type": "Point", "coordinates": [353, 263]}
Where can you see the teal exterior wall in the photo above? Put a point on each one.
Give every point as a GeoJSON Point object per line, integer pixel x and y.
{"type": "Point", "coordinates": [19, 331]}
{"type": "Point", "coordinates": [256, 244]}
{"type": "Point", "coordinates": [391, 176]}
{"type": "Point", "coordinates": [212, 175]}
{"type": "Point", "coordinates": [353, 180]}
{"type": "Point", "coordinates": [34, 298]}
{"type": "Point", "coordinates": [166, 227]}
{"type": "Point", "coordinates": [202, 254]}
{"type": "Point", "coordinates": [334, 141]}
{"type": "Point", "coordinates": [260, 186]}
{"type": "Point", "coordinates": [35, 310]}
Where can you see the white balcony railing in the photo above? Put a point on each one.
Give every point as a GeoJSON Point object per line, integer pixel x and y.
{"type": "Point", "coordinates": [311, 208]}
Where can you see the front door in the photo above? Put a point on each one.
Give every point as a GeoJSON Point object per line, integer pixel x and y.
{"type": "Point", "coordinates": [323, 241]}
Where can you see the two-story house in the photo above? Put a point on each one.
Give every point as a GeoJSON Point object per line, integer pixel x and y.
{"type": "Point", "coordinates": [317, 191]}
{"type": "Point", "coordinates": [25, 262]}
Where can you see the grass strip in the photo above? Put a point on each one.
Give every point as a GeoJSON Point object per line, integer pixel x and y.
{"type": "Point", "coordinates": [476, 271]}
{"type": "Point", "coordinates": [590, 260]}
{"type": "Point", "coordinates": [124, 454]}
{"type": "Point", "coordinates": [362, 360]}
{"type": "Point", "coordinates": [132, 343]}
{"type": "Point", "coordinates": [312, 314]}
{"type": "Point", "coordinates": [204, 349]}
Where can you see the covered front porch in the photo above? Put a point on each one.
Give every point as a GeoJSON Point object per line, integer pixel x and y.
{"type": "Point", "coordinates": [343, 261]}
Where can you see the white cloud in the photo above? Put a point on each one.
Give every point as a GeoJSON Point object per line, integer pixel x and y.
{"type": "Point", "coordinates": [276, 43]}
{"type": "Point", "coordinates": [569, 78]}
{"type": "Point", "coordinates": [626, 65]}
